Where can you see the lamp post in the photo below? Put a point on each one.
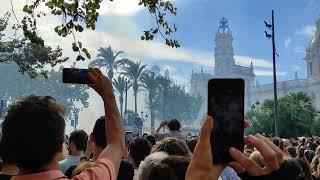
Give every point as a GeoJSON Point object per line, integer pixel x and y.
{"type": "Point", "coordinates": [274, 53]}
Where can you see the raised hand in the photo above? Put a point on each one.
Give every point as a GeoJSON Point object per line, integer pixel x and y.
{"type": "Point", "coordinates": [273, 157]}
{"type": "Point", "coordinates": [201, 165]}
{"type": "Point", "coordinates": [100, 83]}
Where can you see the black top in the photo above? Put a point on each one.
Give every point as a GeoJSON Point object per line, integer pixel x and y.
{"type": "Point", "coordinates": [5, 177]}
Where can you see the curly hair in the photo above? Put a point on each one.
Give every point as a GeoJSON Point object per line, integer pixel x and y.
{"type": "Point", "coordinates": [33, 131]}
{"type": "Point", "coordinates": [172, 146]}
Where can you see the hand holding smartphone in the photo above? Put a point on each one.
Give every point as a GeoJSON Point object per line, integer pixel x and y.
{"type": "Point", "coordinates": [75, 76]}
{"type": "Point", "coordinates": [226, 106]}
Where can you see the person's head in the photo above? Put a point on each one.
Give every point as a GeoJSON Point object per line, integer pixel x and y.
{"type": "Point", "coordinates": [139, 148]}
{"type": "Point", "coordinates": [292, 152]}
{"type": "Point", "coordinates": [291, 169]}
{"type": "Point", "coordinates": [77, 142]}
{"type": "Point", "coordinates": [144, 135]}
{"type": "Point", "coordinates": [172, 146]}
{"type": "Point", "coordinates": [151, 139]}
{"type": "Point", "coordinates": [99, 133]}
{"type": "Point", "coordinates": [33, 132]}
{"type": "Point", "coordinates": [249, 146]}
{"type": "Point", "coordinates": [247, 152]}
{"type": "Point", "coordinates": [126, 170]}
{"type": "Point", "coordinates": [315, 163]}
{"type": "Point", "coordinates": [192, 144]}
{"type": "Point", "coordinates": [306, 168]}
{"type": "Point", "coordinates": [278, 142]}
{"type": "Point", "coordinates": [162, 171]}
{"type": "Point", "coordinates": [317, 152]}
{"type": "Point", "coordinates": [312, 146]}
{"type": "Point", "coordinates": [174, 125]}
{"type": "Point", "coordinates": [300, 152]}
{"type": "Point", "coordinates": [179, 165]}
{"type": "Point", "coordinates": [257, 158]}
{"type": "Point", "coordinates": [309, 154]}
{"type": "Point", "coordinates": [148, 163]}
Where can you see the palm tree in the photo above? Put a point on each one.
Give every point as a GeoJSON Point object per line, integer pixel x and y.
{"type": "Point", "coordinates": [120, 86]}
{"type": "Point", "coordinates": [106, 58]}
{"type": "Point", "coordinates": [150, 83]}
{"type": "Point", "coordinates": [164, 83]}
{"type": "Point", "coordinates": [134, 71]}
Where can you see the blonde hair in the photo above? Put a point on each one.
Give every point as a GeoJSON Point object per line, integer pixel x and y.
{"type": "Point", "coordinates": [257, 158]}
{"type": "Point", "coordinates": [81, 167]}
{"type": "Point", "coordinates": [149, 162]}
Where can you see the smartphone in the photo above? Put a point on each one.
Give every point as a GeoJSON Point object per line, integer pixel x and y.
{"type": "Point", "coordinates": [226, 106]}
{"type": "Point", "coordinates": [75, 76]}
{"type": "Point", "coordinates": [128, 137]}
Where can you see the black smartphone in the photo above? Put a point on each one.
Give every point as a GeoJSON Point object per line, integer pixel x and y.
{"type": "Point", "coordinates": [128, 137]}
{"type": "Point", "coordinates": [226, 106]}
{"type": "Point", "coordinates": [75, 76]}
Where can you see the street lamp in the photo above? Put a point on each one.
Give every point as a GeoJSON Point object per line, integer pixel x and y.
{"type": "Point", "coordinates": [274, 53]}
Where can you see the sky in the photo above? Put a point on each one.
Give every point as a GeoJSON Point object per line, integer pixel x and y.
{"type": "Point", "coordinates": [122, 21]}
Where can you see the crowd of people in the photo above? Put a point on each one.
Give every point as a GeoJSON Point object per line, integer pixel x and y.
{"type": "Point", "coordinates": [34, 146]}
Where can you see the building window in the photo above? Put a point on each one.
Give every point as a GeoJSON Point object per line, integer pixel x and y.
{"type": "Point", "coordinates": [310, 68]}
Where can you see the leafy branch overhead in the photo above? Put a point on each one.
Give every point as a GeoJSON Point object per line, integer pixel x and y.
{"type": "Point", "coordinates": [31, 58]}
{"type": "Point", "coordinates": [79, 14]}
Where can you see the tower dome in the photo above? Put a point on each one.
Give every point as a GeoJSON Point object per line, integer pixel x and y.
{"type": "Point", "coordinates": [313, 54]}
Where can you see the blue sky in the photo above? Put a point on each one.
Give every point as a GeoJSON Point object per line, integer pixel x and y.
{"type": "Point", "coordinates": [122, 21]}
{"type": "Point", "coordinates": [197, 22]}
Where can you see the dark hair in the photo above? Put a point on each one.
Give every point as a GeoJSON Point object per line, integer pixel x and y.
{"type": "Point", "coordinates": [79, 138]}
{"type": "Point", "coordinates": [99, 133]}
{"type": "Point", "coordinates": [312, 146]}
{"type": "Point", "coordinates": [173, 125]}
{"type": "Point", "coordinates": [171, 168]}
{"type": "Point", "coordinates": [192, 144]}
{"type": "Point", "coordinates": [278, 142]}
{"type": "Point", "coordinates": [309, 154]}
{"type": "Point", "coordinates": [292, 151]}
{"type": "Point", "coordinates": [126, 170]}
{"type": "Point", "coordinates": [300, 153]}
{"type": "Point", "coordinates": [162, 171]}
{"type": "Point", "coordinates": [291, 169]}
{"type": "Point", "coordinates": [33, 132]}
{"type": "Point", "coordinates": [151, 139]}
{"type": "Point", "coordinates": [139, 148]}
{"type": "Point", "coordinates": [179, 164]}
{"type": "Point", "coordinates": [69, 171]}
{"type": "Point", "coordinates": [172, 146]}
{"type": "Point", "coordinates": [305, 168]}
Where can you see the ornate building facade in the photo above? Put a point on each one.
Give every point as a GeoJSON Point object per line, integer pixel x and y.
{"type": "Point", "coordinates": [225, 67]}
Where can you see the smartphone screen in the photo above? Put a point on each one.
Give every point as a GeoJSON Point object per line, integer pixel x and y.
{"type": "Point", "coordinates": [75, 76]}
{"type": "Point", "coordinates": [128, 137]}
{"type": "Point", "coordinates": [226, 106]}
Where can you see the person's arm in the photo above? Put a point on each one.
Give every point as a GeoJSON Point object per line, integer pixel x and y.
{"type": "Point", "coordinates": [161, 125]}
{"type": "Point", "coordinates": [89, 150]}
{"type": "Point", "coordinates": [114, 132]}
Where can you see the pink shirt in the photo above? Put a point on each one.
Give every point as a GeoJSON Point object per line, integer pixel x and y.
{"type": "Point", "coordinates": [103, 169]}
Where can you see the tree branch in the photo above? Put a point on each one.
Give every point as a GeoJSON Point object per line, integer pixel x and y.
{"type": "Point", "coordinates": [14, 14]}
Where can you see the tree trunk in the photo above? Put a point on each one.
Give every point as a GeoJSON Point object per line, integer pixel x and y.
{"type": "Point", "coordinates": [110, 74]}
{"type": "Point", "coordinates": [126, 102]}
{"type": "Point", "coordinates": [135, 103]}
{"type": "Point", "coordinates": [152, 113]}
{"type": "Point", "coordinates": [121, 104]}
{"type": "Point", "coordinates": [164, 105]}
{"type": "Point", "coordinates": [135, 92]}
